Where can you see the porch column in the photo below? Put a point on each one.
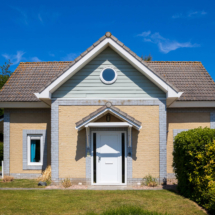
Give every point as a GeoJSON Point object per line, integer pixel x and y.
{"type": "Point", "coordinates": [163, 139]}
{"type": "Point", "coordinates": [54, 141]}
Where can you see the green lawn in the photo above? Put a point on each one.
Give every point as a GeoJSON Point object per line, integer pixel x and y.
{"type": "Point", "coordinates": [20, 183]}
{"type": "Point", "coordinates": [86, 201]}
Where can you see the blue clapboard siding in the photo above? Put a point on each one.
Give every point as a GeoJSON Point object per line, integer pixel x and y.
{"type": "Point", "coordinates": [130, 83]}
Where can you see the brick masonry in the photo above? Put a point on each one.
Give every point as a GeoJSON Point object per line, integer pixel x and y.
{"type": "Point", "coordinates": [66, 102]}
{"type": "Point", "coordinates": [25, 175]}
{"type": "Point", "coordinates": [14, 124]}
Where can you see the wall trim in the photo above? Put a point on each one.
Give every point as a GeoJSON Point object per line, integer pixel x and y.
{"type": "Point", "coordinates": [23, 105]}
{"type": "Point", "coordinates": [187, 104]}
{"type": "Point", "coordinates": [25, 149]}
{"type": "Point", "coordinates": [6, 142]}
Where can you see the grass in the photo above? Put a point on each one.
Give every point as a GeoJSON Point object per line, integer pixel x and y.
{"type": "Point", "coordinates": [20, 183]}
{"type": "Point", "coordinates": [94, 202]}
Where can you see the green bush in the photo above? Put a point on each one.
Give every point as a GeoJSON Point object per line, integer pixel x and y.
{"type": "Point", "coordinates": [126, 210]}
{"type": "Point", "coordinates": [194, 165]}
{"type": "Point", "coordinates": [148, 180]}
{"type": "Point", "coordinates": [1, 152]}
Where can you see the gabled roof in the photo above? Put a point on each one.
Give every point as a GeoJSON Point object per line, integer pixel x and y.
{"type": "Point", "coordinates": [108, 108]}
{"type": "Point", "coordinates": [188, 77]}
{"type": "Point", "coordinates": [109, 35]}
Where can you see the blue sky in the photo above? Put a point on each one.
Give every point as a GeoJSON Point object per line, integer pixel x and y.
{"type": "Point", "coordinates": [61, 30]}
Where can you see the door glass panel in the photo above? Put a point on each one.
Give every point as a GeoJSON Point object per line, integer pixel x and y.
{"type": "Point", "coordinates": [94, 157]}
{"type": "Point", "coordinates": [123, 158]}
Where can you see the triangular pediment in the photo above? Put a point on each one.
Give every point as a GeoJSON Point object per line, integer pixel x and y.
{"type": "Point", "coordinates": [108, 41]}
{"type": "Point", "coordinates": [126, 119]}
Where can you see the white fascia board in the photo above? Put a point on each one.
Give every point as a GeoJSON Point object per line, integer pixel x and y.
{"type": "Point", "coordinates": [104, 112]}
{"type": "Point", "coordinates": [46, 93]}
{"type": "Point", "coordinates": [108, 124]}
{"type": "Point", "coordinates": [23, 105]}
{"type": "Point", "coordinates": [194, 104]}
{"type": "Point", "coordinates": [144, 70]}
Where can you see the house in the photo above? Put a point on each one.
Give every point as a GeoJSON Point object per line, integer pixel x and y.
{"type": "Point", "coordinates": [106, 118]}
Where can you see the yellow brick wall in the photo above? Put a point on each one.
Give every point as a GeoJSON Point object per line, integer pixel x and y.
{"type": "Point", "coordinates": [183, 121]}
{"type": "Point", "coordinates": [29, 121]}
{"type": "Point", "coordinates": [146, 141]}
{"type": "Point", "coordinates": [72, 144]}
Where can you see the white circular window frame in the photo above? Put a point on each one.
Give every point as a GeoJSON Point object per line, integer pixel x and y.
{"type": "Point", "coordinates": [108, 82]}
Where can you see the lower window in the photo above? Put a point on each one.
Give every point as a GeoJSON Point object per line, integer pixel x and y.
{"type": "Point", "coordinates": [35, 152]}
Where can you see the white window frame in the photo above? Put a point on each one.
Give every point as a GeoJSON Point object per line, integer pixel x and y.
{"type": "Point", "coordinates": [108, 82]}
{"type": "Point", "coordinates": [35, 137]}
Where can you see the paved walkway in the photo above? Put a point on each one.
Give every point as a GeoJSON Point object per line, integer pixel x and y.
{"type": "Point", "coordinates": [96, 188]}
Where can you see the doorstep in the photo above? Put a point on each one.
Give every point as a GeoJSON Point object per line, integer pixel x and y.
{"type": "Point", "coordinates": [109, 187]}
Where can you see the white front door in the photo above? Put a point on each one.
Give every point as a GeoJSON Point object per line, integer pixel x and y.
{"type": "Point", "coordinates": [108, 156]}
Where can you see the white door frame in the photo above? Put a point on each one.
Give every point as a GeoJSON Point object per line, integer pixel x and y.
{"type": "Point", "coordinates": [92, 174]}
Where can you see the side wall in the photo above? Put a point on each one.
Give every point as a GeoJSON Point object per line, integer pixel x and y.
{"type": "Point", "coordinates": [184, 119]}
{"type": "Point", "coordinates": [19, 120]}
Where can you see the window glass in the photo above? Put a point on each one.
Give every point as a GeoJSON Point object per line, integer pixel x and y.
{"type": "Point", "coordinates": [35, 150]}
{"type": "Point", "coordinates": [108, 75]}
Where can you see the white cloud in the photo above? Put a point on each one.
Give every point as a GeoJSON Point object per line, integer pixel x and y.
{"type": "Point", "coordinates": [40, 18]}
{"type": "Point", "coordinates": [190, 14]}
{"type": "Point", "coordinates": [69, 57]}
{"type": "Point", "coordinates": [165, 45]}
{"type": "Point", "coordinates": [144, 34]}
{"type": "Point", "coordinates": [51, 54]}
{"type": "Point", "coordinates": [35, 59]}
{"type": "Point", "coordinates": [15, 59]}
{"type": "Point", "coordinates": [24, 17]}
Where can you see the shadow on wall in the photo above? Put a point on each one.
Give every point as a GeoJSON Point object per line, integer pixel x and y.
{"type": "Point", "coordinates": [81, 145]}
{"type": "Point", "coordinates": [135, 134]}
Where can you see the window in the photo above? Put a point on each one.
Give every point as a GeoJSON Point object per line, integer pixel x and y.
{"type": "Point", "coordinates": [108, 76]}
{"type": "Point", "coordinates": [35, 152]}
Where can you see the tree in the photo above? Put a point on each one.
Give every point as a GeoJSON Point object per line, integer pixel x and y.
{"type": "Point", "coordinates": [5, 73]}
{"type": "Point", "coordinates": [147, 58]}
{"type": "Point", "coordinates": [4, 76]}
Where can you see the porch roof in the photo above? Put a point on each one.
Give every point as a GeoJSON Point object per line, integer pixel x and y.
{"type": "Point", "coordinates": [108, 108]}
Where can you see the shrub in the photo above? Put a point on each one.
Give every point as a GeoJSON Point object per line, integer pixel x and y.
{"type": "Point", "coordinates": [194, 165]}
{"type": "Point", "coordinates": [46, 175]}
{"type": "Point", "coordinates": [66, 183]}
{"type": "Point", "coordinates": [126, 210]}
{"type": "Point", "coordinates": [149, 181]}
{"type": "Point", "coordinates": [7, 178]}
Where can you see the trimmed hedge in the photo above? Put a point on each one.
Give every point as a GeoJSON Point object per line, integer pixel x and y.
{"type": "Point", "coordinates": [194, 165]}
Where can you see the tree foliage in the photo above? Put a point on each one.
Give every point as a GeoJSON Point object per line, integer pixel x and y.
{"type": "Point", "coordinates": [147, 58]}
{"type": "Point", "coordinates": [5, 73]}
{"type": "Point", "coordinates": [4, 76]}
{"type": "Point", "coordinates": [194, 165]}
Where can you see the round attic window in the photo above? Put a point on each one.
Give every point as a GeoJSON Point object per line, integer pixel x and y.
{"type": "Point", "coordinates": [108, 75]}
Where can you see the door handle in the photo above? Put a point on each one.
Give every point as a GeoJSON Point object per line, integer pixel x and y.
{"type": "Point", "coordinates": [99, 158]}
